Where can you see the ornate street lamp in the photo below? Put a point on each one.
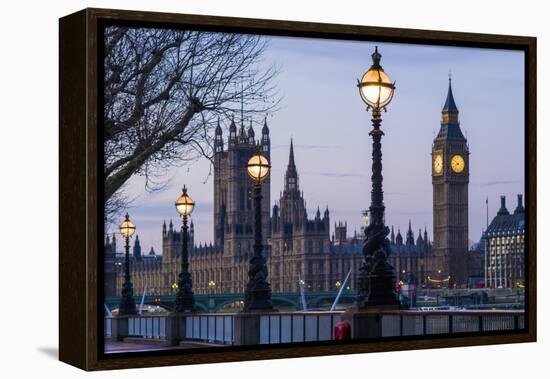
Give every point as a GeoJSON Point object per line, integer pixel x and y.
{"type": "Point", "coordinates": [257, 295]}
{"type": "Point", "coordinates": [376, 276]}
{"type": "Point", "coordinates": [211, 291]}
{"type": "Point", "coordinates": [366, 217]}
{"type": "Point", "coordinates": [212, 286]}
{"type": "Point", "coordinates": [127, 306]}
{"type": "Point", "coordinates": [185, 299]}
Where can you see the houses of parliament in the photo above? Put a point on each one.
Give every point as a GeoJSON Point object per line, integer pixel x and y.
{"type": "Point", "coordinates": [299, 246]}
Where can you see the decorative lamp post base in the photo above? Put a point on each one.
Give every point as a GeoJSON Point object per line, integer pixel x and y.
{"type": "Point", "coordinates": [127, 305]}
{"type": "Point", "coordinates": [185, 302]}
{"type": "Point", "coordinates": [257, 295]}
{"type": "Point", "coordinates": [258, 299]}
{"type": "Point", "coordinates": [185, 298]}
{"type": "Point", "coordinates": [376, 278]}
{"type": "Point", "coordinates": [381, 291]}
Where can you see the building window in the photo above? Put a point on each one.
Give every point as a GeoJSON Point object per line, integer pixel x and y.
{"type": "Point", "coordinates": [249, 199]}
{"type": "Point", "coordinates": [292, 183]}
{"type": "Point", "coordinates": [241, 198]}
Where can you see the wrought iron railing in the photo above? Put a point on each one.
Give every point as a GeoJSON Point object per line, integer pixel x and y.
{"type": "Point", "coordinates": [289, 327]}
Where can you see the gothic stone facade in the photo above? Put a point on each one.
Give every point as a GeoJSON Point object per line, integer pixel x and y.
{"type": "Point", "coordinates": [295, 245]}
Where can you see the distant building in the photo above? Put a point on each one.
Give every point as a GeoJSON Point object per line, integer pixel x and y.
{"type": "Point", "coordinates": [505, 247]}
{"type": "Point", "coordinates": [476, 265]}
{"type": "Point", "coordinates": [109, 267]}
{"type": "Point", "coordinates": [298, 246]}
{"type": "Point", "coordinates": [411, 258]}
{"type": "Point", "coordinates": [295, 245]}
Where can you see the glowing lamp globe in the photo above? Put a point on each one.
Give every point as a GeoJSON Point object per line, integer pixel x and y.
{"type": "Point", "coordinates": [376, 88]}
{"type": "Point", "coordinates": [366, 217]}
{"type": "Point", "coordinates": [127, 228]}
{"type": "Point", "coordinates": [258, 168]}
{"type": "Point", "coordinates": [184, 203]}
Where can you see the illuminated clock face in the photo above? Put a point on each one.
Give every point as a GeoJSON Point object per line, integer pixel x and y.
{"type": "Point", "coordinates": [438, 164]}
{"type": "Point", "coordinates": [457, 164]}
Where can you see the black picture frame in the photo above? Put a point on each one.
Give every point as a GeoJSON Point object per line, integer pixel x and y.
{"type": "Point", "coordinates": [81, 191]}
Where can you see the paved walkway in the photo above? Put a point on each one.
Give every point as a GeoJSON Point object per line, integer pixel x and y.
{"type": "Point", "coordinates": [130, 347]}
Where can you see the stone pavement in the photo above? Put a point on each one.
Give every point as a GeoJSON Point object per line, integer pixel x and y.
{"type": "Point", "coordinates": [131, 347]}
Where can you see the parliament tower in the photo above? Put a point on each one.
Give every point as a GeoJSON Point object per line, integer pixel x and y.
{"type": "Point", "coordinates": [450, 177]}
{"type": "Point", "coordinates": [233, 199]}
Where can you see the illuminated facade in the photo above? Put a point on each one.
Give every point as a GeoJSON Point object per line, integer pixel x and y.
{"type": "Point", "coordinates": [296, 246]}
{"type": "Point", "coordinates": [505, 248]}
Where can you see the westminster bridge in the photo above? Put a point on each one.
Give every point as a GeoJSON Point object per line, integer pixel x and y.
{"type": "Point", "coordinates": [216, 302]}
{"type": "Point", "coordinates": [471, 298]}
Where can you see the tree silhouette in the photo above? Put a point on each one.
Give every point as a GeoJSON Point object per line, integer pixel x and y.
{"type": "Point", "coordinates": [165, 90]}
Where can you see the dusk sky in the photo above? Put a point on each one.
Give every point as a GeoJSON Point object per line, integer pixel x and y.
{"type": "Point", "coordinates": [322, 111]}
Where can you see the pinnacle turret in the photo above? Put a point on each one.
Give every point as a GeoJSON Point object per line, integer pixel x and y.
{"type": "Point", "coordinates": [218, 139]}
{"type": "Point", "coordinates": [243, 139]}
{"type": "Point", "coordinates": [419, 239]}
{"type": "Point", "coordinates": [137, 248]}
{"type": "Point", "coordinates": [410, 235]}
{"type": "Point", "coordinates": [291, 175]}
{"type": "Point", "coordinates": [232, 132]}
{"type": "Point", "coordinates": [291, 162]}
{"type": "Point", "coordinates": [450, 105]}
{"type": "Point", "coordinates": [251, 134]}
{"type": "Point", "coordinates": [265, 129]}
{"type": "Point", "coordinates": [399, 237]}
{"type": "Point", "coordinates": [450, 129]}
{"type": "Point", "coordinates": [265, 137]}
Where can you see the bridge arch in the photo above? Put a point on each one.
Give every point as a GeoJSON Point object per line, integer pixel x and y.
{"type": "Point", "coordinates": [228, 300]}
{"type": "Point", "coordinates": [201, 307]}
{"type": "Point", "coordinates": [286, 300]}
{"type": "Point", "coordinates": [316, 300]}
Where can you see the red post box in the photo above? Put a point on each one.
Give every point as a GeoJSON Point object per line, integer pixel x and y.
{"type": "Point", "coordinates": [342, 330]}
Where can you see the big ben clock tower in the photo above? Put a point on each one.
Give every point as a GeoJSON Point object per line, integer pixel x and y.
{"type": "Point", "coordinates": [450, 177]}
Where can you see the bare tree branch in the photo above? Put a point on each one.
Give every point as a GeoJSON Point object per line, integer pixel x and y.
{"type": "Point", "coordinates": [163, 93]}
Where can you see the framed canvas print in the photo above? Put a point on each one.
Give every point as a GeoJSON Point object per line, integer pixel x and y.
{"type": "Point", "coordinates": [236, 189]}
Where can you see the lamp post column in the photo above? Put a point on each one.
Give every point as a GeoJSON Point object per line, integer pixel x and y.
{"type": "Point", "coordinates": [376, 284]}
{"type": "Point", "coordinates": [127, 304]}
{"type": "Point", "coordinates": [377, 208]}
{"type": "Point", "coordinates": [185, 298]}
{"type": "Point", "coordinates": [257, 295]}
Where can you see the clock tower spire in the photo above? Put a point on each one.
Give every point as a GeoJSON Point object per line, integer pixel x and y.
{"type": "Point", "coordinates": [450, 178]}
